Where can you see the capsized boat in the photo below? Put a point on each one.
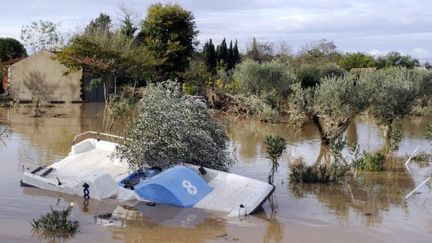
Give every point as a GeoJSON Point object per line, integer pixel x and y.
{"type": "Point", "coordinates": [90, 170]}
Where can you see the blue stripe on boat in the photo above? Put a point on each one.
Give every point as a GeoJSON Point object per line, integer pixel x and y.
{"type": "Point", "coordinates": [178, 186]}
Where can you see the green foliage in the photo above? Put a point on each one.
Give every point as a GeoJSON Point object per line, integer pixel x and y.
{"type": "Point", "coordinates": [197, 77]}
{"type": "Point", "coordinates": [395, 138]}
{"type": "Point", "coordinates": [357, 60]}
{"type": "Point", "coordinates": [11, 49]}
{"type": "Point", "coordinates": [320, 53]}
{"type": "Point", "coordinates": [222, 55]}
{"type": "Point", "coordinates": [331, 105]}
{"type": "Point", "coordinates": [394, 93]}
{"type": "Point", "coordinates": [127, 27]}
{"type": "Point", "coordinates": [429, 133]}
{"type": "Point", "coordinates": [102, 24]}
{"type": "Point", "coordinates": [260, 51]}
{"type": "Point", "coordinates": [395, 59]}
{"type": "Point", "coordinates": [209, 56]}
{"type": "Point", "coordinates": [369, 162]}
{"type": "Point", "coordinates": [118, 106]}
{"type": "Point", "coordinates": [56, 222]}
{"type": "Point", "coordinates": [257, 107]}
{"type": "Point", "coordinates": [308, 75]}
{"type": "Point", "coordinates": [331, 69]}
{"type": "Point", "coordinates": [42, 35]}
{"type": "Point", "coordinates": [323, 173]}
{"type": "Point", "coordinates": [275, 147]}
{"type": "Point", "coordinates": [171, 129]}
{"type": "Point", "coordinates": [263, 78]}
{"type": "Point", "coordinates": [226, 57]}
{"type": "Point", "coordinates": [109, 57]}
{"type": "Point", "coordinates": [169, 32]}
{"type": "Point", "coordinates": [422, 157]}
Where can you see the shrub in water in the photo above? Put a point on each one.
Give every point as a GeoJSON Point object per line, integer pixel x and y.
{"type": "Point", "coordinates": [301, 172]}
{"type": "Point", "coordinates": [56, 222]}
{"type": "Point", "coordinates": [370, 162]}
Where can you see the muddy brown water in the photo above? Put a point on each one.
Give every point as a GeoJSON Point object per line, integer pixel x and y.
{"type": "Point", "coordinates": [368, 208]}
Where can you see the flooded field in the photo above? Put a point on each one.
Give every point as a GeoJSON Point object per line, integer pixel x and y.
{"type": "Point", "coordinates": [367, 208]}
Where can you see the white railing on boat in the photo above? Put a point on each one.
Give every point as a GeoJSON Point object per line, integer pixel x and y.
{"type": "Point", "coordinates": [97, 135]}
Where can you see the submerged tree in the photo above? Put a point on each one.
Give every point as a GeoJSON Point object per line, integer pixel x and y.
{"type": "Point", "coordinates": [331, 105]}
{"type": "Point", "coordinates": [395, 91]}
{"type": "Point", "coordinates": [275, 147]}
{"type": "Point", "coordinates": [171, 129]}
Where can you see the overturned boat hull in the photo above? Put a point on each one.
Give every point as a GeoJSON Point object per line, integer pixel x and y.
{"type": "Point", "coordinates": [91, 171]}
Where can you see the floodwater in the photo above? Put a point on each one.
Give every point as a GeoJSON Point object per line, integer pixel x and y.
{"type": "Point", "coordinates": [367, 208]}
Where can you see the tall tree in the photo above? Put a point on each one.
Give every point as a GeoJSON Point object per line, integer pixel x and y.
{"type": "Point", "coordinates": [128, 28]}
{"type": "Point", "coordinates": [42, 35]}
{"type": "Point", "coordinates": [209, 55]}
{"type": "Point", "coordinates": [236, 54]}
{"type": "Point", "coordinates": [331, 105]}
{"type": "Point", "coordinates": [230, 56]}
{"type": "Point", "coordinates": [11, 49]}
{"type": "Point", "coordinates": [395, 91]}
{"type": "Point", "coordinates": [100, 24]}
{"type": "Point", "coordinates": [253, 52]}
{"type": "Point", "coordinates": [222, 54]}
{"type": "Point", "coordinates": [169, 32]}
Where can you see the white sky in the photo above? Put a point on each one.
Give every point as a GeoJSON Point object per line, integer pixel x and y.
{"type": "Point", "coordinates": [372, 26]}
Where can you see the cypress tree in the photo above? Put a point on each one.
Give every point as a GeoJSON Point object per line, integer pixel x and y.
{"type": "Point", "coordinates": [222, 53]}
{"type": "Point", "coordinates": [209, 56]}
{"type": "Point", "coordinates": [236, 55]}
{"type": "Point", "coordinates": [230, 60]}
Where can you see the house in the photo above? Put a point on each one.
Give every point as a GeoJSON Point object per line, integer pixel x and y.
{"type": "Point", "coordinates": [41, 74]}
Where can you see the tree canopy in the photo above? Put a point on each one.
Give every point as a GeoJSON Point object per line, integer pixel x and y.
{"type": "Point", "coordinates": [331, 105]}
{"type": "Point", "coordinates": [169, 31]}
{"type": "Point", "coordinates": [395, 91]}
{"type": "Point", "coordinates": [11, 49]}
{"type": "Point", "coordinates": [171, 129]}
{"type": "Point", "coordinates": [42, 35]}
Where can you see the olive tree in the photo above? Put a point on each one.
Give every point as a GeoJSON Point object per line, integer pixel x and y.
{"type": "Point", "coordinates": [265, 79]}
{"type": "Point", "coordinates": [171, 129]}
{"type": "Point", "coordinates": [331, 105]}
{"type": "Point", "coordinates": [394, 93]}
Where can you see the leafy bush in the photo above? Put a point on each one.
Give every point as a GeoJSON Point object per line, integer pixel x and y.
{"type": "Point", "coordinates": [331, 69]}
{"type": "Point", "coordinates": [171, 129]}
{"type": "Point", "coordinates": [257, 107]}
{"type": "Point", "coordinates": [429, 133]}
{"type": "Point", "coordinates": [309, 75]}
{"type": "Point", "coordinates": [275, 147]}
{"type": "Point", "coordinates": [422, 157]}
{"type": "Point", "coordinates": [370, 162]}
{"type": "Point", "coordinates": [259, 78]}
{"type": "Point", "coordinates": [56, 222]}
{"type": "Point", "coordinates": [300, 172]}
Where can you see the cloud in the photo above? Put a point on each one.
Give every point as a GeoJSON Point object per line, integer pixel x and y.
{"type": "Point", "coordinates": [353, 25]}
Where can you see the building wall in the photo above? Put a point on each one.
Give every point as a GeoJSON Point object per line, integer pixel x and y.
{"type": "Point", "coordinates": [46, 76]}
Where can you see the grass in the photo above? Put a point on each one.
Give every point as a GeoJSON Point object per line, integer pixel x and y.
{"type": "Point", "coordinates": [300, 172]}
{"type": "Point", "coordinates": [56, 224]}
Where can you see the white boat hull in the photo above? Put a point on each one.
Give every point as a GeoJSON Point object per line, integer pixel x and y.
{"type": "Point", "coordinates": [91, 162]}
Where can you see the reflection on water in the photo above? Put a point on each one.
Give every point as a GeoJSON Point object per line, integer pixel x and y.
{"type": "Point", "coordinates": [369, 207]}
